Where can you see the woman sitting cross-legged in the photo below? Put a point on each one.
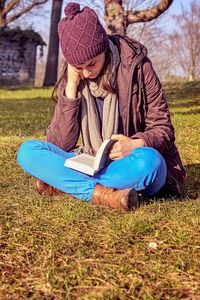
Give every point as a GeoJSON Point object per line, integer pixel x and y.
{"type": "Point", "coordinates": [108, 89]}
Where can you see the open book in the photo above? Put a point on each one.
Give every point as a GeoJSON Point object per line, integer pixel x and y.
{"type": "Point", "coordinates": [88, 164]}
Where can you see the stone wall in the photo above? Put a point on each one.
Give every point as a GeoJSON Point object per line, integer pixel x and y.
{"type": "Point", "coordinates": [17, 63]}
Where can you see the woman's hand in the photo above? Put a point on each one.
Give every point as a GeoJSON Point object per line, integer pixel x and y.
{"type": "Point", "coordinates": [73, 80]}
{"type": "Point", "coordinates": [123, 146]}
{"type": "Point", "coordinates": [73, 76]}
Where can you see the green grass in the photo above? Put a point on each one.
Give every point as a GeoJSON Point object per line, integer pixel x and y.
{"type": "Point", "coordinates": [61, 248]}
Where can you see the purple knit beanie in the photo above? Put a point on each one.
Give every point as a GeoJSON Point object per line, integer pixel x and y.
{"type": "Point", "coordinates": [81, 35]}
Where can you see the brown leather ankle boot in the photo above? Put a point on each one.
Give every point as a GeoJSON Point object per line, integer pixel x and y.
{"type": "Point", "coordinates": [45, 189]}
{"type": "Point", "coordinates": [127, 199]}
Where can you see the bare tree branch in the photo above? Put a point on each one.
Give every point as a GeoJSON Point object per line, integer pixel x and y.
{"type": "Point", "coordinates": [10, 6]}
{"type": "Point", "coordinates": [185, 41]}
{"type": "Point", "coordinates": [24, 10]}
{"type": "Point", "coordinates": [148, 14]}
{"type": "Point", "coordinates": [117, 18]}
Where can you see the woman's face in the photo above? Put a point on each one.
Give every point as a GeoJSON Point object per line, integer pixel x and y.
{"type": "Point", "coordinates": [92, 67]}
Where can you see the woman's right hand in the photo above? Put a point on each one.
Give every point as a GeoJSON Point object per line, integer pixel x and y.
{"type": "Point", "coordinates": [73, 80]}
{"type": "Point", "coordinates": [73, 76]}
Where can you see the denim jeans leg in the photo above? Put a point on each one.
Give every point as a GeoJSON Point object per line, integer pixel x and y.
{"type": "Point", "coordinates": [45, 161]}
{"type": "Point", "coordinates": [144, 170]}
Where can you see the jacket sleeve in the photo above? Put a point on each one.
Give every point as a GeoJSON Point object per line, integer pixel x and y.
{"type": "Point", "coordinates": [159, 132]}
{"type": "Point", "coordinates": [64, 128]}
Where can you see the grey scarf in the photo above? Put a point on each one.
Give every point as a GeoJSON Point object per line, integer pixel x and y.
{"type": "Point", "coordinates": [90, 124]}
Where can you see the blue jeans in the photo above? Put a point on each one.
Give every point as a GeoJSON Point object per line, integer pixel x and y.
{"type": "Point", "coordinates": [144, 170]}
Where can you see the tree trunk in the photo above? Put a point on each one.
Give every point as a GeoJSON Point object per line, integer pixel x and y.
{"type": "Point", "coordinates": [2, 21]}
{"type": "Point", "coordinates": [117, 19]}
{"type": "Point", "coordinates": [191, 78]}
{"type": "Point", "coordinates": [2, 15]}
{"type": "Point", "coordinates": [53, 51]}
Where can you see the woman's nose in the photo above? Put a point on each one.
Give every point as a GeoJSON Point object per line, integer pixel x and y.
{"type": "Point", "coordinates": [86, 73]}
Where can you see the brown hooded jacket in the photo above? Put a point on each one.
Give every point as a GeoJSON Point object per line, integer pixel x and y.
{"type": "Point", "coordinates": [142, 105]}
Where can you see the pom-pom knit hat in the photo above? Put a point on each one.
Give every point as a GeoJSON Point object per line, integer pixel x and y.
{"type": "Point", "coordinates": [81, 35]}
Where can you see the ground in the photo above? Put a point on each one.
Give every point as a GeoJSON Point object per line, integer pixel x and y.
{"type": "Point", "coordinates": [61, 248]}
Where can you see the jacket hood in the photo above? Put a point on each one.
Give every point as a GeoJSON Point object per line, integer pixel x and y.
{"type": "Point", "coordinates": [131, 51]}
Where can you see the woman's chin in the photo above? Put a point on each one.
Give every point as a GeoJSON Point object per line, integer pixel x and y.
{"type": "Point", "coordinates": [92, 77]}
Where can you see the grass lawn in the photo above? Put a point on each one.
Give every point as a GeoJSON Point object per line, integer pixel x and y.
{"type": "Point", "coordinates": [60, 248]}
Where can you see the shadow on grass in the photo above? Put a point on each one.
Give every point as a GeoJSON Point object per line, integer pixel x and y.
{"type": "Point", "coordinates": [193, 180]}
{"type": "Point", "coordinates": [185, 104]}
{"type": "Point", "coordinates": [191, 186]}
{"type": "Point", "coordinates": [27, 100]}
{"type": "Point", "coordinates": [187, 113]}
{"type": "Point", "coordinates": [23, 88]}
{"type": "Point", "coordinates": [181, 91]}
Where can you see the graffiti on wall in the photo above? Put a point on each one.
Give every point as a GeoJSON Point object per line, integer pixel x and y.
{"type": "Point", "coordinates": [11, 60]}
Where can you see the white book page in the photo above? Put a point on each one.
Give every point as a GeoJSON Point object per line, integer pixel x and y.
{"type": "Point", "coordinates": [84, 159]}
{"type": "Point", "coordinates": [83, 163]}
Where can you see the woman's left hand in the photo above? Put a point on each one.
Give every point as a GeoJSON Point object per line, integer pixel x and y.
{"type": "Point", "coordinates": [123, 146]}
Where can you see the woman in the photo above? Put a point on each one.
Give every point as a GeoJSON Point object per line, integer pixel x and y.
{"type": "Point", "coordinates": [108, 89]}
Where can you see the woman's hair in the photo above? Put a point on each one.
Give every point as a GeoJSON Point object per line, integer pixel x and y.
{"type": "Point", "coordinates": [103, 79]}
{"type": "Point", "coordinates": [63, 75]}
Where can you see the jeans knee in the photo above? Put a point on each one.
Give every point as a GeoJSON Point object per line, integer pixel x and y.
{"type": "Point", "coordinates": [155, 170]}
{"type": "Point", "coordinates": [24, 151]}
{"type": "Point", "coordinates": [149, 159]}
{"type": "Point", "coordinates": [157, 162]}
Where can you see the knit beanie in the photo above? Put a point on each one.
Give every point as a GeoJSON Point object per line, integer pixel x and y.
{"type": "Point", "coordinates": [81, 35]}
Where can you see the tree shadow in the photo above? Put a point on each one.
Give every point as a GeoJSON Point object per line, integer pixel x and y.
{"type": "Point", "coordinates": [183, 92]}
{"type": "Point", "coordinates": [192, 186]}
{"type": "Point", "coordinates": [182, 104]}
{"type": "Point", "coordinates": [22, 88]}
{"type": "Point", "coordinates": [187, 113]}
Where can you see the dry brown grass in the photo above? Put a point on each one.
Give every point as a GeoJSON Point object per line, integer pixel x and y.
{"type": "Point", "coordinates": [60, 248]}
